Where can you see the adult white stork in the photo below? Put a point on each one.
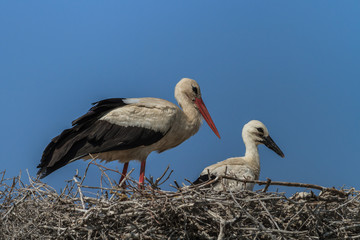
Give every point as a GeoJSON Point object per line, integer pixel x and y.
{"type": "Point", "coordinates": [247, 167]}
{"type": "Point", "coordinates": [126, 129]}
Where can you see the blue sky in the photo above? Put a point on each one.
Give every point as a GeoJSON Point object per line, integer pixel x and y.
{"type": "Point", "coordinates": [294, 65]}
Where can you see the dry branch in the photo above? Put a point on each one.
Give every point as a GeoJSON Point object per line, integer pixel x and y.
{"type": "Point", "coordinates": [291, 184]}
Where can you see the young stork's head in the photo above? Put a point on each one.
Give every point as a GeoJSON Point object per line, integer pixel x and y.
{"type": "Point", "coordinates": [256, 132]}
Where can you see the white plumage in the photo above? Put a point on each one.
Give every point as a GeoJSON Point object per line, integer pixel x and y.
{"type": "Point", "coordinates": [150, 113]}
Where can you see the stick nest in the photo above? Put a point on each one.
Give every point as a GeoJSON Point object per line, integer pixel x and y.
{"type": "Point", "coordinates": [37, 211]}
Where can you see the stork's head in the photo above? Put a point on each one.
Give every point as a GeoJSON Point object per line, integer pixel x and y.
{"type": "Point", "coordinates": [187, 88]}
{"type": "Point", "coordinates": [255, 131]}
{"type": "Point", "coordinates": [187, 93]}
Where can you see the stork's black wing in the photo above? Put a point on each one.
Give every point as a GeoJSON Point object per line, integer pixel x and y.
{"type": "Point", "coordinates": [89, 135]}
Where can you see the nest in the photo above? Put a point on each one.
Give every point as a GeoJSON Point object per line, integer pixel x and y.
{"type": "Point", "coordinates": [36, 211]}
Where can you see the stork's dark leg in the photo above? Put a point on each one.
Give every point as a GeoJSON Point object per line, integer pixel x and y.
{"type": "Point", "coordinates": [142, 173]}
{"type": "Point", "coordinates": [126, 165]}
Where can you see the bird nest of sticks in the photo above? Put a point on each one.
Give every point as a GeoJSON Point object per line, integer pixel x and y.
{"type": "Point", "coordinates": [115, 211]}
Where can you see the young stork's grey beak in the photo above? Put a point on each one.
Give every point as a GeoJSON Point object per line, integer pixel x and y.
{"type": "Point", "coordinates": [272, 145]}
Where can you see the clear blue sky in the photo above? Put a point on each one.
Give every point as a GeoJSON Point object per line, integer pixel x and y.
{"type": "Point", "coordinates": [293, 65]}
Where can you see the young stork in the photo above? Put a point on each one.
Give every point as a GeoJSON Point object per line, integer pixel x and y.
{"type": "Point", "coordinates": [126, 129]}
{"type": "Point", "coordinates": [247, 167]}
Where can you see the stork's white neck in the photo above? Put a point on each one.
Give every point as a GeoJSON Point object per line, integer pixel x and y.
{"type": "Point", "coordinates": [193, 116]}
{"type": "Point", "coordinates": [252, 153]}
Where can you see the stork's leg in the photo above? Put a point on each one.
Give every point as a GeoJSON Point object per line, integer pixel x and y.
{"type": "Point", "coordinates": [126, 165]}
{"type": "Point", "coordinates": [142, 173]}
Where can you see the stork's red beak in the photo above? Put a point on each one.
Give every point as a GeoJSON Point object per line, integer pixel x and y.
{"type": "Point", "coordinates": [206, 115]}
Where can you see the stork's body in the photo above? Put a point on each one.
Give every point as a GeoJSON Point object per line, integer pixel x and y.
{"type": "Point", "coordinates": [247, 167]}
{"type": "Point", "coordinates": [126, 129]}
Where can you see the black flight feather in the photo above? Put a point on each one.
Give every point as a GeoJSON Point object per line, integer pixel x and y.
{"type": "Point", "coordinates": [204, 178]}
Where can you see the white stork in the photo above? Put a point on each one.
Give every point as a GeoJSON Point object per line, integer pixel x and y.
{"type": "Point", "coordinates": [247, 167]}
{"type": "Point", "coordinates": [126, 129]}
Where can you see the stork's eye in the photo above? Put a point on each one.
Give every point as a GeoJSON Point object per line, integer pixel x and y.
{"type": "Point", "coordinates": [195, 90]}
{"type": "Point", "coordinates": [260, 130]}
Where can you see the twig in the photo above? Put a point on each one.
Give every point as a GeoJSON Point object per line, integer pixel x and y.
{"type": "Point", "coordinates": [271, 217]}
{"type": "Point", "coordinates": [290, 184]}
{"type": "Point", "coordinates": [341, 229]}
{"type": "Point", "coordinates": [268, 182]}
{"type": "Point", "coordinates": [80, 192]}
{"type": "Point", "coordinates": [249, 215]}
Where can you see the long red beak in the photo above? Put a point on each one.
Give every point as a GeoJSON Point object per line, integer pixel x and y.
{"type": "Point", "coordinates": [206, 115]}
